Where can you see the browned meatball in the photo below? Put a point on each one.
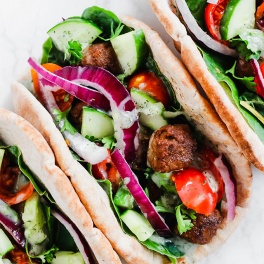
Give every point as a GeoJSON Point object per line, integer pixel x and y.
{"type": "Point", "coordinates": [101, 55]}
{"type": "Point", "coordinates": [75, 114]}
{"type": "Point", "coordinates": [244, 68]}
{"type": "Point", "coordinates": [171, 148]}
{"type": "Point", "coordinates": [204, 228]}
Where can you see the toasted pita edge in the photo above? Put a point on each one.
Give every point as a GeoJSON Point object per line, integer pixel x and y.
{"type": "Point", "coordinates": [14, 130]}
{"type": "Point", "coordinates": [245, 137]}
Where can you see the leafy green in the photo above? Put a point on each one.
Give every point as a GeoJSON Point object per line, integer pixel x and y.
{"type": "Point", "coordinates": [109, 142]}
{"type": "Point", "coordinates": [105, 19]}
{"type": "Point", "coordinates": [197, 9]}
{"type": "Point", "coordinates": [218, 69]}
{"type": "Point", "coordinates": [62, 116]}
{"type": "Point", "coordinates": [114, 32]}
{"type": "Point", "coordinates": [75, 51]}
{"type": "Point", "coordinates": [51, 54]}
{"type": "Point", "coordinates": [247, 81]}
{"type": "Point", "coordinates": [184, 218]}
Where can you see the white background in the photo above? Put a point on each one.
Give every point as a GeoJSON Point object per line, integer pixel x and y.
{"type": "Point", "coordinates": [23, 27]}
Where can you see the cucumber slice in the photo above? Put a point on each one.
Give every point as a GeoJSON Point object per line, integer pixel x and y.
{"type": "Point", "coordinates": [73, 29]}
{"type": "Point", "coordinates": [5, 245]}
{"type": "Point", "coordinates": [67, 257]}
{"type": "Point", "coordinates": [35, 224]}
{"type": "Point", "coordinates": [138, 224]}
{"type": "Point", "coordinates": [150, 110]}
{"type": "Point", "coordinates": [2, 153]}
{"type": "Point", "coordinates": [96, 123]}
{"type": "Point", "coordinates": [238, 16]}
{"type": "Point", "coordinates": [123, 198]}
{"type": "Point", "coordinates": [131, 50]}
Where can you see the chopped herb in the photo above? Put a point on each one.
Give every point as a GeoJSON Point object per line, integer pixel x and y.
{"type": "Point", "coordinates": [75, 51]}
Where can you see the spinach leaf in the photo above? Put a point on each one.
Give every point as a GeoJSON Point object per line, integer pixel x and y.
{"type": "Point", "coordinates": [216, 67]}
{"type": "Point", "coordinates": [197, 9]}
{"type": "Point", "coordinates": [105, 19]}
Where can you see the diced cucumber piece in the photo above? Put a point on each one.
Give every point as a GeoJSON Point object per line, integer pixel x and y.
{"type": "Point", "coordinates": [123, 198]}
{"type": "Point", "coordinates": [96, 123]}
{"type": "Point", "coordinates": [131, 50]}
{"type": "Point", "coordinates": [150, 111]}
{"type": "Point", "coordinates": [138, 224]}
{"type": "Point", "coordinates": [10, 213]}
{"type": "Point", "coordinates": [238, 16]}
{"type": "Point", "coordinates": [67, 257]}
{"type": "Point", "coordinates": [73, 29]}
{"type": "Point", "coordinates": [5, 245]}
{"type": "Point", "coordinates": [2, 153]}
{"type": "Point", "coordinates": [35, 224]}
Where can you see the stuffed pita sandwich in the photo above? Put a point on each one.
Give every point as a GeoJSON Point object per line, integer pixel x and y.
{"type": "Point", "coordinates": [41, 218]}
{"type": "Point", "coordinates": [129, 128]}
{"type": "Point", "coordinates": [225, 56]}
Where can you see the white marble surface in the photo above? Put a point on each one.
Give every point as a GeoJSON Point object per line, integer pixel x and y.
{"type": "Point", "coordinates": [23, 24]}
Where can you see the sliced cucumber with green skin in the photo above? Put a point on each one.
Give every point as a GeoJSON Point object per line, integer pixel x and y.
{"type": "Point", "coordinates": [150, 110]}
{"type": "Point", "coordinates": [73, 29]}
{"type": "Point", "coordinates": [238, 16]}
{"type": "Point", "coordinates": [5, 243]}
{"type": "Point", "coordinates": [2, 153]}
{"type": "Point", "coordinates": [67, 257]}
{"type": "Point", "coordinates": [96, 123]}
{"type": "Point", "coordinates": [35, 224]}
{"type": "Point", "coordinates": [123, 198]}
{"type": "Point", "coordinates": [131, 50]}
{"type": "Point", "coordinates": [137, 224]}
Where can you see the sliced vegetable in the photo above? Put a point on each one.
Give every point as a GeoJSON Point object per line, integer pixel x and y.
{"type": "Point", "coordinates": [138, 224]}
{"type": "Point", "coordinates": [79, 240]}
{"type": "Point", "coordinates": [259, 77]}
{"type": "Point", "coordinates": [73, 29]}
{"type": "Point", "coordinates": [229, 187]}
{"type": "Point", "coordinates": [238, 16]}
{"type": "Point", "coordinates": [260, 17]}
{"type": "Point", "coordinates": [2, 153]}
{"type": "Point", "coordinates": [199, 33]}
{"type": "Point", "coordinates": [145, 205]}
{"type": "Point", "coordinates": [72, 79]}
{"type": "Point", "coordinates": [148, 82]}
{"type": "Point", "coordinates": [63, 99]}
{"type": "Point", "coordinates": [86, 149]}
{"type": "Point", "coordinates": [5, 245]}
{"type": "Point", "coordinates": [213, 14]}
{"type": "Point", "coordinates": [195, 191]}
{"type": "Point", "coordinates": [134, 41]}
{"type": "Point", "coordinates": [12, 223]}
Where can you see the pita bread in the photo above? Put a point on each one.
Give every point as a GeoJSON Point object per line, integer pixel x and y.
{"type": "Point", "coordinates": [245, 137]}
{"type": "Point", "coordinates": [200, 114]}
{"type": "Point", "coordinates": [38, 156]}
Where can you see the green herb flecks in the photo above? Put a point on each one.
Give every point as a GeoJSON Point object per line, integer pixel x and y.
{"type": "Point", "coordinates": [75, 51]}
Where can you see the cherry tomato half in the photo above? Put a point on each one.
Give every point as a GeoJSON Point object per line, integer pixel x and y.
{"type": "Point", "coordinates": [106, 170]}
{"type": "Point", "coordinates": [195, 191]}
{"type": "Point", "coordinates": [213, 14]}
{"type": "Point", "coordinates": [148, 82]}
{"type": "Point", "coordinates": [63, 99]}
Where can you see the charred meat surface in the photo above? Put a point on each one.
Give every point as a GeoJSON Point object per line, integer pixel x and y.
{"type": "Point", "coordinates": [171, 148]}
{"type": "Point", "coordinates": [101, 55]}
{"type": "Point", "coordinates": [204, 228]}
{"type": "Point", "coordinates": [75, 114]}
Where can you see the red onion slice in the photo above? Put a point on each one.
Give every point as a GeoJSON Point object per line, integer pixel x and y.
{"type": "Point", "coordinates": [199, 33]}
{"type": "Point", "coordinates": [78, 238]}
{"type": "Point", "coordinates": [145, 205]}
{"type": "Point", "coordinates": [86, 149]}
{"type": "Point", "coordinates": [258, 76]}
{"type": "Point", "coordinates": [12, 225]}
{"type": "Point", "coordinates": [229, 187]}
{"type": "Point", "coordinates": [124, 113]}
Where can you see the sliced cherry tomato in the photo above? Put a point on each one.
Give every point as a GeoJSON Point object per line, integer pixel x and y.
{"type": "Point", "coordinates": [19, 256]}
{"type": "Point", "coordinates": [106, 170]}
{"type": "Point", "coordinates": [207, 159]}
{"type": "Point", "coordinates": [260, 12]}
{"type": "Point", "coordinates": [213, 14]}
{"type": "Point", "coordinates": [195, 191]}
{"type": "Point", "coordinates": [258, 89]}
{"type": "Point", "coordinates": [148, 82]}
{"type": "Point", "coordinates": [8, 178]}
{"type": "Point", "coordinates": [63, 99]}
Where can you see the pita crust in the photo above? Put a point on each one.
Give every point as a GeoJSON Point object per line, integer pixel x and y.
{"type": "Point", "coordinates": [199, 112]}
{"type": "Point", "coordinates": [14, 130]}
{"type": "Point", "coordinates": [245, 137]}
